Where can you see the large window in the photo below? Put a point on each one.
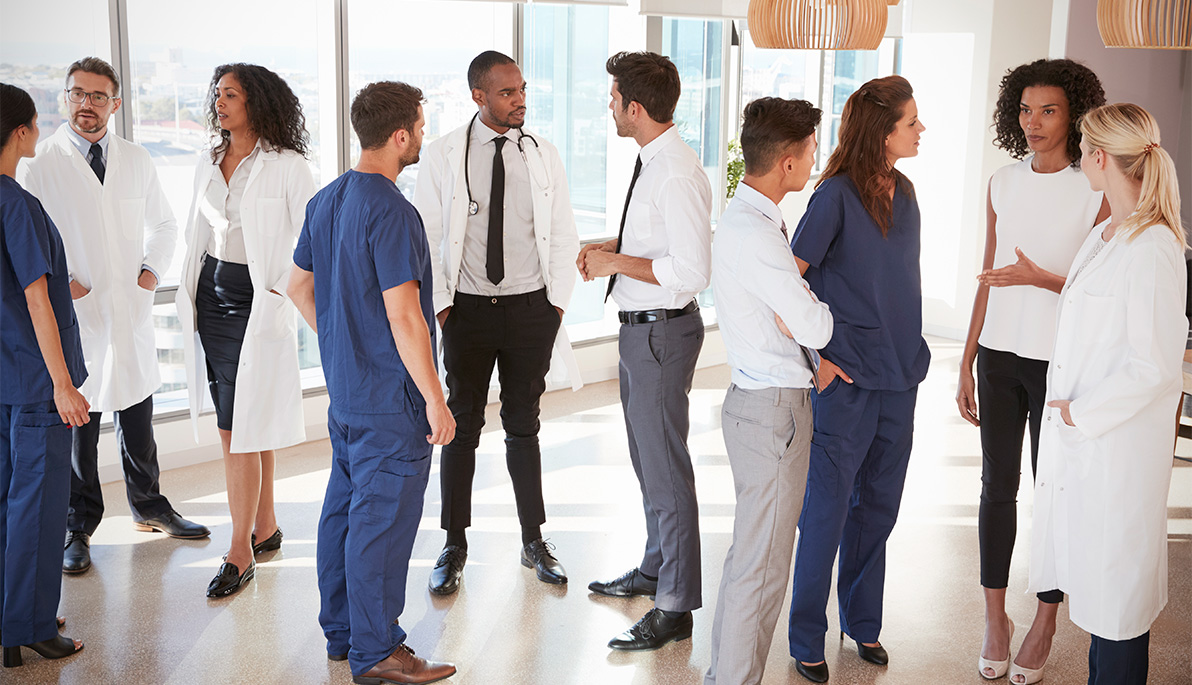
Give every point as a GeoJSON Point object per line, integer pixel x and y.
{"type": "Point", "coordinates": [171, 49]}
{"type": "Point", "coordinates": [432, 51]}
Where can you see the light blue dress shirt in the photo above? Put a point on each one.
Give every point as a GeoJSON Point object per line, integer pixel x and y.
{"type": "Point", "coordinates": [754, 276]}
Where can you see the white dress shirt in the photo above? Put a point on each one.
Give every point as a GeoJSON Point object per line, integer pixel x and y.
{"type": "Point", "coordinates": [84, 145]}
{"type": "Point", "coordinates": [669, 222]}
{"type": "Point", "coordinates": [522, 271]}
{"type": "Point", "coordinates": [220, 205]}
{"type": "Point", "coordinates": [754, 276]}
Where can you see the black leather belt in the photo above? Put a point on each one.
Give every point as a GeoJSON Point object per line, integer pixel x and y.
{"type": "Point", "coordinates": [652, 315]}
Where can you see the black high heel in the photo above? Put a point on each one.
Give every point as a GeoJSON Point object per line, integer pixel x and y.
{"type": "Point", "coordinates": [54, 648]}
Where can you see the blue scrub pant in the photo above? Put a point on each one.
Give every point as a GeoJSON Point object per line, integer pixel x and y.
{"type": "Point", "coordinates": [380, 467]}
{"type": "Point", "coordinates": [34, 494]}
{"type": "Point", "coordinates": [860, 448]}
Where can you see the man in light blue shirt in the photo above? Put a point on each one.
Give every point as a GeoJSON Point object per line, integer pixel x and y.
{"type": "Point", "coordinates": [771, 324]}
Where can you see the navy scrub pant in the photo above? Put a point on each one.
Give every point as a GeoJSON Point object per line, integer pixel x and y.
{"type": "Point", "coordinates": [380, 467]}
{"type": "Point", "coordinates": [860, 447]}
{"type": "Point", "coordinates": [34, 493]}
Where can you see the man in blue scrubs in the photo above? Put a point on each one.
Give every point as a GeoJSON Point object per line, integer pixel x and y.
{"type": "Point", "coordinates": [362, 279]}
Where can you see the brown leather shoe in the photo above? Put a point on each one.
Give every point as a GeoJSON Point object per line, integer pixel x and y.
{"type": "Point", "coordinates": [403, 666]}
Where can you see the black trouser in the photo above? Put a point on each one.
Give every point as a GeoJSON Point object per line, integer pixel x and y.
{"type": "Point", "coordinates": [138, 454]}
{"type": "Point", "coordinates": [516, 333]}
{"type": "Point", "coordinates": [1119, 662]}
{"type": "Point", "coordinates": [1010, 394]}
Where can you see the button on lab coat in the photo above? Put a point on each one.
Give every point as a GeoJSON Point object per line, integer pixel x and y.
{"type": "Point", "coordinates": [1100, 511]}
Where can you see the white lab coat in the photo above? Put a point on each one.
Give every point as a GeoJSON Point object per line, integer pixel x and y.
{"type": "Point", "coordinates": [267, 409]}
{"type": "Point", "coordinates": [1100, 512]}
{"type": "Point", "coordinates": [443, 204]}
{"type": "Point", "coordinates": [110, 231]}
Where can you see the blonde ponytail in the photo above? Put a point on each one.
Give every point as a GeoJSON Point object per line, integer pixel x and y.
{"type": "Point", "coordinates": [1130, 135]}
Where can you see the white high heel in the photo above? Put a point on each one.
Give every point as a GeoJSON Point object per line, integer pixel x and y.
{"type": "Point", "coordinates": [1029, 675]}
{"type": "Point", "coordinates": [998, 667]}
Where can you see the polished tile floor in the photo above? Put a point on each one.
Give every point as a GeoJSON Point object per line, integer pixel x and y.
{"type": "Point", "coordinates": [143, 615]}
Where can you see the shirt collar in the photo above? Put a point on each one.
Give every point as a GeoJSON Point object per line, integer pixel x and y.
{"type": "Point", "coordinates": [752, 197]}
{"type": "Point", "coordinates": [485, 134]}
{"type": "Point", "coordinates": [83, 145]}
{"type": "Point", "coordinates": [652, 148]}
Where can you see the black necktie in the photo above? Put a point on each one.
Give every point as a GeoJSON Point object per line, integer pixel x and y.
{"type": "Point", "coordinates": [637, 171]}
{"type": "Point", "coordinates": [812, 357]}
{"type": "Point", "coordinates": [97, 161]}
{"type": "Point", "coordinates": [496, 216]}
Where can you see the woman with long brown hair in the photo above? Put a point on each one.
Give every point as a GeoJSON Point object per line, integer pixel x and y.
{"type": "Point", "coordinates": [858, 246]}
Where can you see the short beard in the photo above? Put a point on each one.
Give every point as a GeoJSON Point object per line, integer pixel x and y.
{"type": "Point", "coordinates": [79, 127]}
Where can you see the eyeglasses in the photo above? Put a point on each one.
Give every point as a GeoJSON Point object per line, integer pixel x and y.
{"type": "Point", "coordinates": [78, 96]}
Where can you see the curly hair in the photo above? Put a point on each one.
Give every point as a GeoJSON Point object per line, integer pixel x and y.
{"type": "Point", "coordinates": [1080, 85]}
{"type": "Point", "coordinates": [274, 112]}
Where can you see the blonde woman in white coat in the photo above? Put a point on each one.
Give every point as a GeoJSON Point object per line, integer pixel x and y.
{"type": "Point", "coordinates": [1100, 512]}
{"type": "Point", "coordinates": [240, 331]}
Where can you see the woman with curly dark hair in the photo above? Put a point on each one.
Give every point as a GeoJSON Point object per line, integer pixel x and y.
{"type": "Point", "coordinates": [1039, 211]}
{"type": "Point", "coordinates": [239, 329]}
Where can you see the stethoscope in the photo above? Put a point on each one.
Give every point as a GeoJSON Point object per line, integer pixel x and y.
{"type": "Point", "coordinates": [473, 206]}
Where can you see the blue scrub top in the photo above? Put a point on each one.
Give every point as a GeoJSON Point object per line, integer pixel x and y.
{"type": "Point", "coordinates": [362, 237]}
{"type": "Point", "coordinates": [871, 283]}
{"type": "Point", "coordinates": [32, 249]}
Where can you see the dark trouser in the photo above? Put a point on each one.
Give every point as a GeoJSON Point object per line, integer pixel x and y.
{"type": "Point", "coordinates": [380, 464]}
{"type": "Point", "coordinates": [657, 368]}
{"type": "Point", "coordinates": [516, 333]}
{"type": "Point", "coordinates": [138, 454]}
{"type": "Point", "coordinates": [1010, 395]}
{"type": "Point", "coordinates": [860, 449]}
{"type": "Point", "coordinates": [1124, 662]}
{"type": "Point", "coordinates": [34, 489]}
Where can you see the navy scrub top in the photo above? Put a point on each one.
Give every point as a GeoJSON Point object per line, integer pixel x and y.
{"type": "Point", "coordinates": [871, 283]}
{"type": "Point", "coordinates": [32, 249]}
{"type": "Point", "coordinates": [362, 237]}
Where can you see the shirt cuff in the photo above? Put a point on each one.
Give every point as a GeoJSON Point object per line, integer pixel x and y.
{"type": "Point", "coordinates": [146, 267]}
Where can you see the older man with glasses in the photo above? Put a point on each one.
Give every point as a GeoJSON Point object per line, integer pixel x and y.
{"type": "Point", "coordinates": [119, 233]}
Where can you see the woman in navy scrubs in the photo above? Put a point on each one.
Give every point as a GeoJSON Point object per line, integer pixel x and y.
{"type": "Point", "coordinates": [858, 246]}
{"type": "Point", "coordinates": [41, 368]}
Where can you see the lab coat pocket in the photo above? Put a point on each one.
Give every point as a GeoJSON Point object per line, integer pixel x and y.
{"type": "Point", "coordinates": [41, 443]}
{"type": "Point", "coordinates": [90, 319]}
{"type": "Point", "coordinates": [270, 214]}
{"type": "Point", "coordinates": [277, 317]}
{"type": "Point", "coordinates": [143, 303]}
{"type": "Point", "coordinates": [132, 218]}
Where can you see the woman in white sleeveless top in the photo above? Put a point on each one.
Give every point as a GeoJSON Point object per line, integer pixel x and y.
{"type": "Point", "coordinates": [1039, 211]}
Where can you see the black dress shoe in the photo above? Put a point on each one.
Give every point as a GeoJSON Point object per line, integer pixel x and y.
{"type": "Point", "coordinates": [174, 525]}
{"type": "Point", "coordinates": [76, 556]}
{"type": "Point", "coordinates": [56, 647]}
{"type": "Point", "coordinates": [271, 543]}
{"type": "Point", "coordinates": [445, 577]}
{"type": "Point", "coordinates": [874, 655]}
{"type": "Point", "coordinates": [654, 630]}
{"type": "Point", "coordinates": [537, 555]}
{"type": "Point", "coordinates": [229, 580]}
{"type": "Point", "coordinates": [630, 584]}
{"type": "Point", "coordinates": [816, 674]}
{"type": "Point", "coordinates": [337, 657]}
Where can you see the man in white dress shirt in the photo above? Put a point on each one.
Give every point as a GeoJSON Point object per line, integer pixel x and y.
{"type": "Point", "coordinates": [498, 217]}
{"type": "Point", "coordinates": [768, 319]}
{"type": "Point", "coordinates": [119, 233]}
{"type": "Point", "coordinates": [660, 261]}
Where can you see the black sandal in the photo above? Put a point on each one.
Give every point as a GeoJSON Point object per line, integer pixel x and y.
{"type": "Point", "coordinates": [54, 648]}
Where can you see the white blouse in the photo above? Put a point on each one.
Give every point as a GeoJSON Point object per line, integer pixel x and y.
{"type": "Point", "coordinates": [1047, 216]}
{"type": "Point", "coordinates": [221, 207]}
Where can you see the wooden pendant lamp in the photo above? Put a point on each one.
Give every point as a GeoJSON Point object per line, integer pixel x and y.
{"type": "Point", "coordinates": [1157, 24]}
{"type": "Point", "coordinates": [819, 24]}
